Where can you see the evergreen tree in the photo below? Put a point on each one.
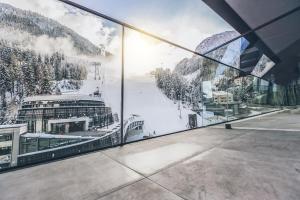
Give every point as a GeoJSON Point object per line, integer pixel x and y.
{"type": "Point", "coordinates": [28, 77]}
{"type": "Point", "coordinates": [46, 85]}
{"type": "Point", "coordinates": [4, 79]}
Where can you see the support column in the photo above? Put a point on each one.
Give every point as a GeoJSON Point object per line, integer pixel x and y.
{"type": "Point", "coordinates": [86, 125]}
{"type": "Point", "coordinates": [67, 127]}
{"type": "Point", "coordinates": [39, 126]}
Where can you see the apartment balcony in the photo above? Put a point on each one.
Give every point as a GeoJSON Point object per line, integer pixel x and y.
{"type": "Point", "coordinates": [257, 159]}
{"type": "Point", "coordinates": [134, 100]}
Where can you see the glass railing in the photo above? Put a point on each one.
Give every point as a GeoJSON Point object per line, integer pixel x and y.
{"type": "Point", "coordinates": [251, 95]}
{"type": "Point", "coordinates": [79, 81]}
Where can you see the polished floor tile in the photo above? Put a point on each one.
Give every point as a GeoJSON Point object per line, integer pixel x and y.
{"type": "Point", "coordinates": [202, 164]}
{"type": "Point", "coordinates": [84, 177]}
{"type": "Point", "coordinates": [224, 174]}
{"type": "Point", "coordinates": [149, 157]}
{"type": "Point", "coordinates": [270, 143]}
{"type": "Point", "coordinates": [142, 190]}
{"type": "Point", "coordinates": [282, 120]}
{"type": "Point", "coordinates": [151, 161]}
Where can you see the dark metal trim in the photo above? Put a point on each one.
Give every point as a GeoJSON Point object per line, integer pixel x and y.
{"type": "Point", "coordinates": [256, 29]}
{"type": "Point", "coordinates": [122, 88]}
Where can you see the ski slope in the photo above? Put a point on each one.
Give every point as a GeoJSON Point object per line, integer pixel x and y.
{"type": "Point", "coordinates": [161, 114]}
{"type": "Point", "coordinates": [141, 97]}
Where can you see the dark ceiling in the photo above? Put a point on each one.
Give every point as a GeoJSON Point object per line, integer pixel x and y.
{"type": "Point", "coordinates": [276, 25]}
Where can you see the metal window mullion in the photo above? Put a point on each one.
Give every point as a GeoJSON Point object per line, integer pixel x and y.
{"type": "Point", "coordinates": [122, 88]}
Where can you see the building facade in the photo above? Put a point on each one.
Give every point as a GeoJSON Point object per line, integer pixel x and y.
{"type": "Point", "coordinates": [9, 144]}
{"type": "Point", "coordinates": [222, 97]}
{"type": "Point", "coordinates": [62, 114]}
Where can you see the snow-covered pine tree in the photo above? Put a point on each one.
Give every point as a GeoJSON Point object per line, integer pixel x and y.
{"type": "Point", "coordinates": [4, 79]}
{"type": "Point", "coordinates": [46, 81]}
{"type": "Point", "coordinates": [28, 75]}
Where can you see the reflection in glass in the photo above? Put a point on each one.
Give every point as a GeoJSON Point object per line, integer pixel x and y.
{"type": "Point", "coordinates": [170, 19]}
{"type": "Point", "coordinates": [263, 66]}
{"type": "Point", "coordinates": [162, 94]}
{"type": "Point", "coordinates": [6, 149]}
{"type": "Point", "coordinates": [243, 55]}
{"type": "Point", "coordinates": [251, 95]}
{"type": "Point", "coordinates": [215, 96]}
{"type": "Point", "coordinates": [60, 76]}
{"type": "Point", "coordinates": [60, 83]}
{"type": "Point", "coordinates": [230, 54]}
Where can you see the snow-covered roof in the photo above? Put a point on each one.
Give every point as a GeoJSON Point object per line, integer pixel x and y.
{"type": "Point", "coordinates": [63, 97]}
{"type": "Point", "coordinates": [12, 126]}
{"type": "Point", "coordinates": [45, 135]}
{"type": "Point", "coordinates": [221, 93]}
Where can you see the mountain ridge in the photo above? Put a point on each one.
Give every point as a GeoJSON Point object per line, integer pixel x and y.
{"type": "Point", "coordinates": [190, 65]}
{"type": "Point", "coordinates": [38, 25]}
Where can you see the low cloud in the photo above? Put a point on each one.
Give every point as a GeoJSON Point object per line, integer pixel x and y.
{"type": "Point", "coordinates": [83, 23]}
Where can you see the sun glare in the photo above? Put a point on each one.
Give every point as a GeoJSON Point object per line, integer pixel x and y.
{"type": "Point", "coordinates": [140, 53]}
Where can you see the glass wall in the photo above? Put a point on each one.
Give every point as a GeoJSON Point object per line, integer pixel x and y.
{"type": "Point", "coordinates": [215, 96]}
{"type": "Point", "coordinates": [244, 55]}
{"type": "Point", "coordinates": [251, 95]}
{"type": "Point", "coordinates": [5, 149]}
{"type": "Point", "coordinates": [231, 53]}
{"type": "Point", "coordinates": [72, 82]}
{"type": "Point", "coordinates": [160, 95]}
{"type": "Point", "coordinates": [61, 76]}
{"type": "Point", "coordinates": [170, 20]}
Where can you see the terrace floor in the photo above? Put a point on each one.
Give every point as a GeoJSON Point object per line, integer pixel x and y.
{"type": "Point", "coordinates": [257, 159]}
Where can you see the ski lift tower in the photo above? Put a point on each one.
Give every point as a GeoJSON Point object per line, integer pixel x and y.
{"type": "Point", "coordinates": [97, 71]}
{"type": "Point", "coordinates": [99, 77]}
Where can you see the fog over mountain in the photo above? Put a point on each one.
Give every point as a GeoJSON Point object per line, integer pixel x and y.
{"type": "Point", "coordinates": [39, 55]}
{"type": "Point", "coordinates": [34, 31]}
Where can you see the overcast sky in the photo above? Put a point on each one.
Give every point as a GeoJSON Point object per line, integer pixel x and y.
{"type": "Point", "coordinates": [186, 22]}
{"type": "Point", "coordinates": [87, 25]}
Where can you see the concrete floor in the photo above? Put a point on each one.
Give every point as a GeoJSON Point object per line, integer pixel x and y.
{"type": "Point", "coordinates": [283, 120]}
{"type": "Point", "coordinates": [210, 163]}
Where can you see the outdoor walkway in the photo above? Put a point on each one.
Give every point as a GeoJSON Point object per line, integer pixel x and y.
{"type": "Point", "coordinates": [210, 163]}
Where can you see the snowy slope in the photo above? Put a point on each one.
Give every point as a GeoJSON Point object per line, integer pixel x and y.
{"type": "Point", "coordinates": [161, 115]}
{"type": "Point", "coordinates": [143, 98]}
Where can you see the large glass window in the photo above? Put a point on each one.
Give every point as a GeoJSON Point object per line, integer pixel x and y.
{"type": "Point", "coordinates": [232, 54]}
{"type": "Point", "coordinates": [170, 20]}
{"type": "Point", "coordinates": [61, 75]}
{"type": "Point", "coordinates": [251, 95]}
{"type": "Point", "coordinates": [161, 91]}
{"type": "Point", "coordinates": [263, 66]}
{"type": "Point", "coordinates": [215, 94]}
{"type": "Point", "coordinates": [6, 146]}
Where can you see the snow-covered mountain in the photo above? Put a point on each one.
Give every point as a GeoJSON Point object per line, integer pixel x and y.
{"type": "Point", "coordinates": [184, 82]}
{"type": "Point", "coordinates": [190, 65]}
{"type": "Point", "coordinates": [30, 26]}
{"type": "Point", "coordinates": [39, 56]}
{"type": "Point", "coordinates": [215, 41]}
